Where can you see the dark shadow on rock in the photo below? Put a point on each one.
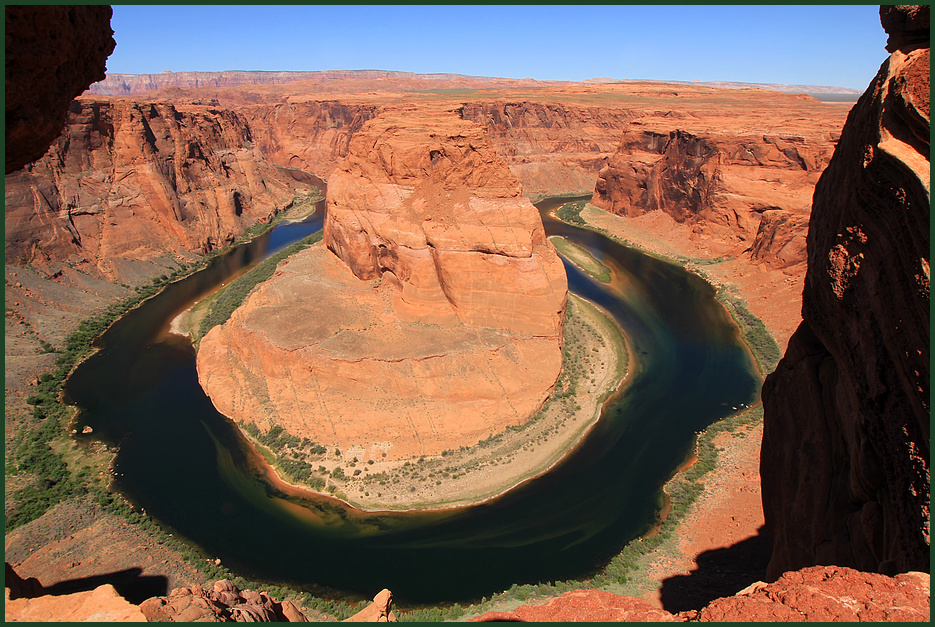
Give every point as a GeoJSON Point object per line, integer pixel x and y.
{"type": "Point", "coordinates": [129, 583]}
{"type": "Point", "coordinates": [720, 573]}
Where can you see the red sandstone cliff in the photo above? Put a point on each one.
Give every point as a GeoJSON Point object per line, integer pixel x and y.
{"type": "Point", "coordinates": [433, 319]}
{"type": "Point", "coordinates": [312, 136]}
{"type": "Point", "coordinates": [552, 148]}
{"type": "Point", "coordinates": [817, 594]}
{"type": "Point", "coordinates": [430, 203]}
{"type": "Point", "coordinates": [751, 191]}
{"type": "Point", "coordinates": [845, 453]}
{"type": "Point", "coordinates": [130, 181]}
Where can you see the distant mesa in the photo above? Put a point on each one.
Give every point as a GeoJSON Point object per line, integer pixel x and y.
{"type": "Point", "coordinates": [431, 319]}
{"type": "Point", "coordinates": [130, 84]}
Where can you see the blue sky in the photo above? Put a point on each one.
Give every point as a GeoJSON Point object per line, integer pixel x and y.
{"type": "Point", "coordinates": [837, 45]}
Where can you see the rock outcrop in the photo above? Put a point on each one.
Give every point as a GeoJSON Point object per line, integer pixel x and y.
{"type": "Point", "coordinates": [223, 603]}
{"type": "Point", "coordinates": [845, 453]}
{"type": "Point", "coordinates": [53, 53]}
{"type": "Point", "coordinates": [436, 321]}
{"type": "Point", "coordinates": [552, 148]}
{"type": "Point", "coordinates": [380, 610]}
{"type": "Point", "coordinates": [100, 605]}
{"type": "Point", "coordinates": [820, 594]}
{"type": "Point", "coordinates": [131, 181]}
{"type": "Point", "coordinates": [584, 606]}
{"type": "Point", "coordinates": [430, 206]}
{"type": "Point", "coordinates": [750, 191]}
{"type": "Point", "coordinates": [313, 136]}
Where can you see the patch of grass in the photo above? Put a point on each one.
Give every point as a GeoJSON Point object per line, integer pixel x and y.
{"type": "Point", "coordinates": [754, 333]}
{"type": "Point", "coordinates": [581, 258]}
{"type": "Point", "coordinates": [571, 212]}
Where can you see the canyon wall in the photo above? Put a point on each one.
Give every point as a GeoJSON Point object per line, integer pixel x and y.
{"type": "Point", "coordinates": [751, 191]}
{"type": "Point", "coordinates": [432, 318]}
{"type": "Point", "coordinates": [845, 452]}
{"type": "Point", "coordinates": [130, 84]}
{"type": "Point", "coordinates": [313, 136]}
{"type": "Point", "coordinates": [552, 148]}
{"type": "Point", "coordinates": [130, 181]}
{"type": "Point", "coordinates": [428, 203]}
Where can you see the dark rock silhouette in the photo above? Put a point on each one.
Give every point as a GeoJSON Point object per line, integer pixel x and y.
{"type": "Point", "coordinates": [53, 53]}
{"type": "Point", "coordinates": [845, 453]}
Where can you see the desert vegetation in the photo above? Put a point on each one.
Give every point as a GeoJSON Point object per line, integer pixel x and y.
{"type": "Point", "coordinates": [223, 302]}
{"type": "Point", "coordinates": [754, 333]}
{"type": "Point", "coordinates": [581, 258]}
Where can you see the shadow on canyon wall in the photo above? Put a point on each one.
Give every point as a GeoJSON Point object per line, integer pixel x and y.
{"type": "Point", "coordinates": [720, 573]}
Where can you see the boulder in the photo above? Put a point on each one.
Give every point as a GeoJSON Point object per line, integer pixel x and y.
{"type": "Point", "coordinates": [224, 602]}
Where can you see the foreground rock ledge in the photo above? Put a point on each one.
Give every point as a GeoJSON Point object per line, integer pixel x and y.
{"type": "Point", "coordinates": [436, 322]}
{"type": "Point", "coordinates": [819, 593]}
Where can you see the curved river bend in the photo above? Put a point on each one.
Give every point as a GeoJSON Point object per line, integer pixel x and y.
{"type": "Point", "coordinates": [190, 468]}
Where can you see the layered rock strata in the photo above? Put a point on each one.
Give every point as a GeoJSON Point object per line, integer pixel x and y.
{"type": "Point", "coordinates": [428, 204]}
{"type": "Point", "coordinates": [130, 181]}
{"type": "Point", "coordinates": [750, 191]}
{"type": "Point", "coordinates": [552, 148]}
{"type": "Point", "coordinates": [432, 319]}
{"type": "Point", "coordinates": [845, 453]}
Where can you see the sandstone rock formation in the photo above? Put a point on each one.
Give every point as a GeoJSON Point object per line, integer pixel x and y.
{"type": "Point", "coordinates": [130, 181]}
{"type": "Point", "coordinates": [438, 323]}
{"type": "Point", "coordinates": [584, 606]}
{"type": "Point", "coordinates": [53, 53]}
{"type": "Point", "coordinates": [312, 136]}
{"type": "Point", "coordinates": [379, 611]}
{"type": "Point", "coordinates": [100, 605]}
{"type": "Point", "coordinates": [821, 594]}
{"type": "Point", "coordinates": [750, 190]}
{"type": "Point", "coordinates": [845, 453]}
{"type": "Point", "coordinates": [223, 603]}
{"type": "Point", "coordinates": [550, 147]}
{"type": "Point", "coordinates": [825, 594]}
{"type": "Point", "coordinates": [429, 205]}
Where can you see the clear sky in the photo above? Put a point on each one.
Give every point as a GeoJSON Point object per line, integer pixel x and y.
{"type": "Point", "coordinates": [838, 45]}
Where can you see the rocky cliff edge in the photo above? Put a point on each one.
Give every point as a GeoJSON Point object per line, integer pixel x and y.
{"type": "Point", "coordinates": [845, 453]}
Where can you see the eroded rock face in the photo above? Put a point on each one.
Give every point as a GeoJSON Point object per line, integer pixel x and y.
{"type": "Point", "coordinates": [431, 205]}
{"type": "Point", "coordinates": [53, 53]}
{"type": "Point", "coordinates": [312, 136]}
{"type": "Point", "coordinates": [551, 148]}
{"type": "Point", "coordinates": [845, 454]}
{"type": "Point", "coordinates": [752, 191]}
{"type": "Point", "coordinates": [130, 181]}
{"type": "Point", "coordinates": [224, 602]}
{"type": "Point", "coordinates": [432, 318]}
{"type": "Point", "coordinates": [100, 605]}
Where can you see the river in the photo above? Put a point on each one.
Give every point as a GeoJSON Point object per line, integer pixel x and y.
{"type": "Point", "coordinates": [190, 468]}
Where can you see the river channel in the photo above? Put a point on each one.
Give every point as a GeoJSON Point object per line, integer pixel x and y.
{"type": "Point", "coordinates": [190, 468]}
